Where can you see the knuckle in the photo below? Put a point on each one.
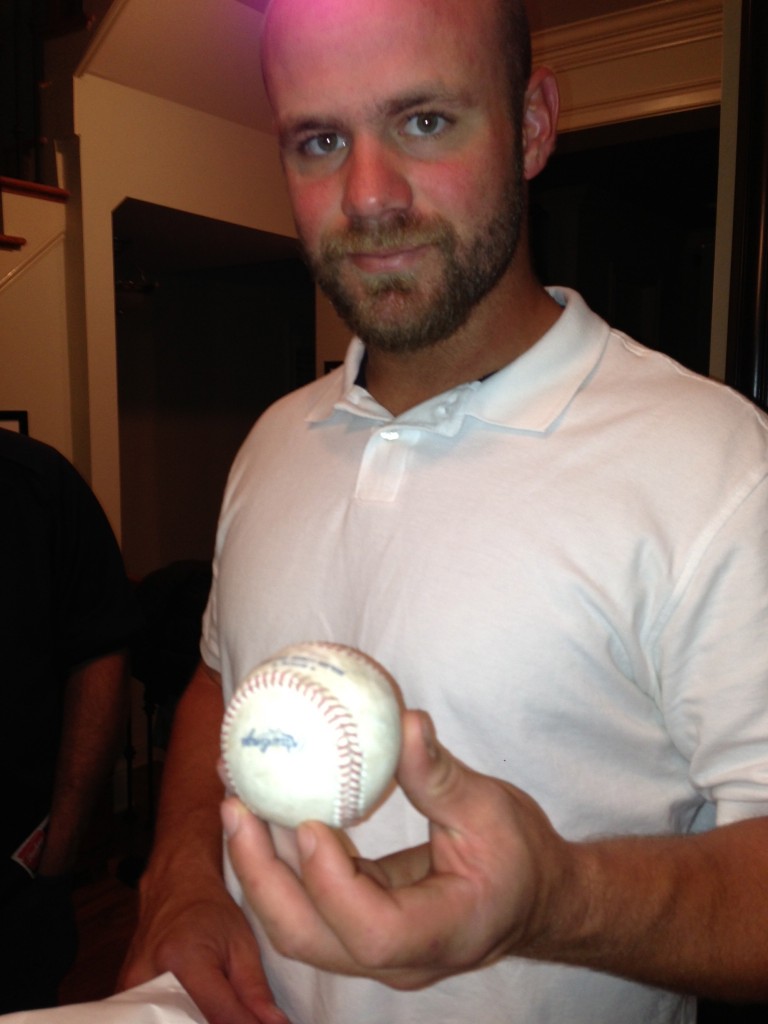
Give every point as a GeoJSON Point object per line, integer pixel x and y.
{"type": "Point", "coordinates": [375, 951]}
{"type": "Point", "coordinates": [289, 943]}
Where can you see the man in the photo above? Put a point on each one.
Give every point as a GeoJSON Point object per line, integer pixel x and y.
{"type": "Point", "coordinates": [552, 537]}
{"type": "Point", "coordinates": [67, 616]}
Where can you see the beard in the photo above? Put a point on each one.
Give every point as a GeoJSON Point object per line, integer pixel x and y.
{"type": "Point", "coordinates": [406, 312]}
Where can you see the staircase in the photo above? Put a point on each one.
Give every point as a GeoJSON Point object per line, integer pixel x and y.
{"type": "Point", "coordinates": [36, 309]}
{"type": "Point", "coordinates": [32, 223]}
{"type": "Point", "coordinates": [19, 205]}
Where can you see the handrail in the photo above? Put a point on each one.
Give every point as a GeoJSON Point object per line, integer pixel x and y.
{"type": "Point", "coordinates": [31, 260]}
{"type": "Point", "coordinates": [33, 188]}
{"type": "Point", "coordinates": [12, 242]}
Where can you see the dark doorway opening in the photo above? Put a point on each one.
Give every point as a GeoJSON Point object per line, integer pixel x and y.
{"type": "Point", "coordinates": [215, 321]}
{"type": "Point", "coordinates": [625, 214]}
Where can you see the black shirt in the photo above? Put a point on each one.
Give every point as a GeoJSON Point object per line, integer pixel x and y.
{"type": "Point", "coordinates": [64, 600]}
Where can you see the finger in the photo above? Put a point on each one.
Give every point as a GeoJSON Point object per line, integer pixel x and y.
{"type": "Point", "coordinates": [247, 978]}
{"type": "Point", "coordinates": [219, 997]}
{"type": "Point", "coordinates": [215, 996]}
{"type": "Point", "coordinates": [381, 929]}
{"type": "Point", "coordinates": [276, 894]}
{"type": "Point", "coordinates": [405, 867]}
{"type": "Point", "coordinates": [440, 786]}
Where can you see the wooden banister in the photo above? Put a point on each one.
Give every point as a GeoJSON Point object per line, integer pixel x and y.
{"type": "Point", "coordinates": [11, 242]}
{"type": "Point", "coordinates": [32, 188]}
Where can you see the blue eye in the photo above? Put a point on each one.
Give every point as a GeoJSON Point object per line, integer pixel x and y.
{"type": "Point", "coordinates": [425, 124]}
{"type": "Point", "coordinates": [324, 144]}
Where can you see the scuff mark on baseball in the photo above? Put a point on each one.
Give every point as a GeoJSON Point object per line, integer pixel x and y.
{"type": "Point", "coordinates": [313, 734]}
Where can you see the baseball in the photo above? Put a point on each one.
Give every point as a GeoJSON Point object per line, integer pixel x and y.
{"type": "Point", "coordinates": [312, 734]}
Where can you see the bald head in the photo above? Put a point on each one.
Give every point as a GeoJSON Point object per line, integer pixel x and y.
{"type": "Point", "coordinates": [510, 32]}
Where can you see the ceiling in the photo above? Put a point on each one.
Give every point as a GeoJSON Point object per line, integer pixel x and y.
{"type": "Point", "coordinates": [199, 53]}
{"type": "Point", "coordinates": [553, 13]}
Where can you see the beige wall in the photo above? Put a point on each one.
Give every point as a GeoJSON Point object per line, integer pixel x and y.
{"type": "Point", "coordinates": [136, 145]}
{"type": "Point", "coordinates": [34, 356]}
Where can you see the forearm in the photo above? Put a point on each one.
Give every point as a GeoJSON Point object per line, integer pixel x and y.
{"type": "Point", "coordinates": [187, 842]}
{"type": "Point", "coordinates": [188, 923]}
{"type": "Point", "coordinates": [684, 913]}
{"type": "Point", "coordinates": [94, 714]}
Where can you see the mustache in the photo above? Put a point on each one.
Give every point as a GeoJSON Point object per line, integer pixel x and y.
{"type": "Point", "coordinates": [406, 233]}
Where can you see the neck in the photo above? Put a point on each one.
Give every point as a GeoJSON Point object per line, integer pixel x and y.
{"type": "Point", "coordinates": [506, 324]}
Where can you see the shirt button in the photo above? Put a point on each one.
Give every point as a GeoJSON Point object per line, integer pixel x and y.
{"type": "Point", "coordinates": [390, 435]}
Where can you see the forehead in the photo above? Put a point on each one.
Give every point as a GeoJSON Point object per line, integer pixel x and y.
{"type": "Point", "coordinates": [322, 52]}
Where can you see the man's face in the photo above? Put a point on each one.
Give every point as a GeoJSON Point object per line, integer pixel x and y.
{"type": "Point", "coordinates": [402, 162]}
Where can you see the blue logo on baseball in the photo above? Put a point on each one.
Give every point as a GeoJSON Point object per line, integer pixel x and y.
{"type": "Point", "coordinates": [267, 740]}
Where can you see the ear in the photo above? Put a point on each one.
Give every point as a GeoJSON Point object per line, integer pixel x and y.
{"type": "Point", "coordinates": [542, 106]}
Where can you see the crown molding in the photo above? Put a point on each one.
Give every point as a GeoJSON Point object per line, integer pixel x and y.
{"type": "Point", "coordinates": [660, 58]}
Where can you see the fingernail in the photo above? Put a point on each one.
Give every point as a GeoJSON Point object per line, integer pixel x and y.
{"type": "Point", "coordinates": [306, 840]}
{"type": "Point", "coordinates": [230, 818]}
{"type": "Point", "coordinates": [430, 738]}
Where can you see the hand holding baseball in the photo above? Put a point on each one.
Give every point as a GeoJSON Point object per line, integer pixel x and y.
{"type": "Point", "coordinates": [483, 886]}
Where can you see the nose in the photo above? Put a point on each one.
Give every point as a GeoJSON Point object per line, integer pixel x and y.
{"type": "Point", "coordinates": [375, 184]}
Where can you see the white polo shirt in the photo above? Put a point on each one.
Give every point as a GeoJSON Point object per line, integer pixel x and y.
{"type": "Point", "coordinates": [567, 566]}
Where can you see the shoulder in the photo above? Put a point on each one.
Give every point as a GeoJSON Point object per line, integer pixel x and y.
{"type": "Point", "coordinates": [688, 441]}
{"type": "Point", "coordinates": [294, 412]}
{"type": "Point", "coordinates": [42, 489]}
{"type": "Point", "coordinates": [674, 397]}
{"type": "Point", "coordinates": [36, 472]}
{"type": "Point", "coordinates": [30, 455]}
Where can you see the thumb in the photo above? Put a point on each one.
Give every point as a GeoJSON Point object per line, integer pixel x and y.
{"type": "Point", "coordinates": [438, 785]}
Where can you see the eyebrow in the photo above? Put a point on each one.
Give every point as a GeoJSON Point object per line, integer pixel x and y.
{"type": "Point", "coordinates": [427, 97]}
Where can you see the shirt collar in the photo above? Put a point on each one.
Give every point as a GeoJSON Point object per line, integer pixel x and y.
{"type": "Point", "coordinates": [530, 393]}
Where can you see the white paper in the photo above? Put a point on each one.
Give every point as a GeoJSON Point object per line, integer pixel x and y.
{"type": "Point", "coordinates": [160, 1001]}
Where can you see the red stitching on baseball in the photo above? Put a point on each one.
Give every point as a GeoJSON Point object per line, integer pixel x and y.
{"type": "Point", "coordinates": [349, 799]}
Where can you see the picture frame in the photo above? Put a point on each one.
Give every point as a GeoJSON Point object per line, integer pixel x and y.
{"type": "Point", "coordinates": [16, 420]}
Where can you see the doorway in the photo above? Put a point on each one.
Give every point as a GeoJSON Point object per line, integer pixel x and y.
{"type": "Point", "coordinates": [625, 214]}
{"type": "Point", "coordinates": [214, 322]}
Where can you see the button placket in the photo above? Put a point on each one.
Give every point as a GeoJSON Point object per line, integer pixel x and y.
{"type": "Point", "coordinates": [384, 463]}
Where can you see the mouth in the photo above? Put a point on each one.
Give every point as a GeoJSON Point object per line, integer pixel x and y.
{"type": "Point", "coordinates": [388, 261]}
